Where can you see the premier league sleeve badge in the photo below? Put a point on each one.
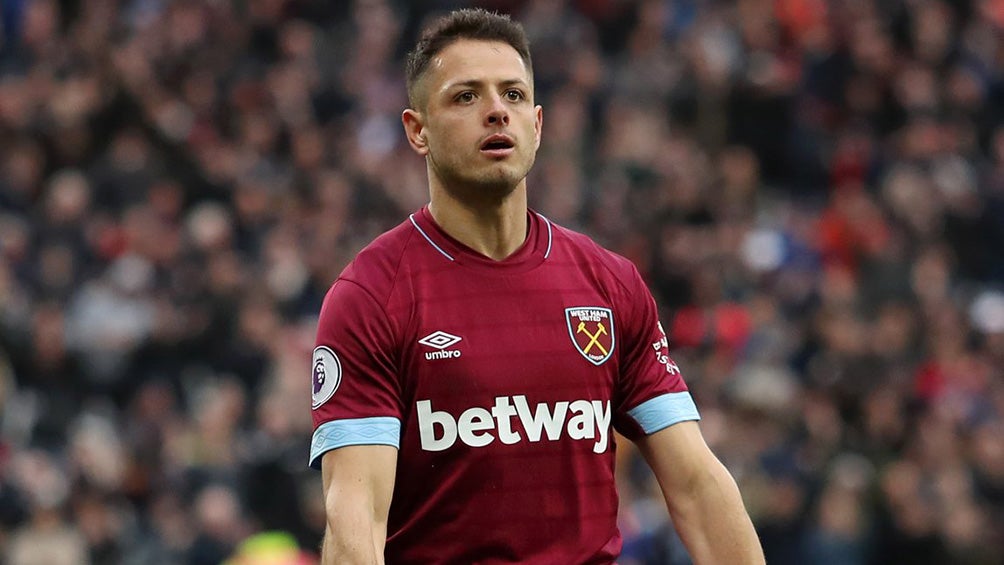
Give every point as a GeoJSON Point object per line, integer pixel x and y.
{"type": "Point", "coordinates": [327, 375]}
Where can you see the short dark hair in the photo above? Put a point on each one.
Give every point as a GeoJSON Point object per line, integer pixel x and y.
{"type": "Point", "coordinates": [476, 23]}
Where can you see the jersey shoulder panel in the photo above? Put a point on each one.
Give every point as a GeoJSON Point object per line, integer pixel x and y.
{"type": "Point", "coordinates": [605, 263]}
{"type": "Point", "coordinates": [375, 269]}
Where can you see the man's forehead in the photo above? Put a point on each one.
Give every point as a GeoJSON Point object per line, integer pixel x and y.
{"type": "Point", "coordinates": [467, 60]}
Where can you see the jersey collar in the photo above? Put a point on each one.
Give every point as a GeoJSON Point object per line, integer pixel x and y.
{"type": "Point", "coordinates": [535, 249]}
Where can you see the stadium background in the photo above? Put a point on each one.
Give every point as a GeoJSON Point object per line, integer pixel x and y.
{"type": "Point", "coordinates": [813, 189]}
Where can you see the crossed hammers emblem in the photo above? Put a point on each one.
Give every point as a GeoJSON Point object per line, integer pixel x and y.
{"type": "Point", "coordinates": [594, 338]}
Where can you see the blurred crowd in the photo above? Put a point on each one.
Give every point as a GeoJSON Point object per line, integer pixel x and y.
{"type": "Point", "coordinates": [813, 189]}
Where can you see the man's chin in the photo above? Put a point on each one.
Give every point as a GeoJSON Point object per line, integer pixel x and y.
{"type": "Point", "coordinates": [500, 180]}
{"type": "Point", "coordinates": [495, 181]}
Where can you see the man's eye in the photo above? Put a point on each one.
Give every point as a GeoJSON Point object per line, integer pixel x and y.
{"type": "Point", "coordinates": [514, 95]}
{"type": "Point", "coordinates": [465, 96]}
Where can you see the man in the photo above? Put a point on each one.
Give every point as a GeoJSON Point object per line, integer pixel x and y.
{"type": "Point", "coordinates": [471, 362]}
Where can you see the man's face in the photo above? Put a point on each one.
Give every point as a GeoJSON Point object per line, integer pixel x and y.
{"type": "Point", "coordinates": [479, 128]}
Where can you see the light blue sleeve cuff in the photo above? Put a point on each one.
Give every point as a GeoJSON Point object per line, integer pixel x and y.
{"type": "Point", "coordinates": [380, 430]}
{"type": "Point", "coordinates": [663, 411]}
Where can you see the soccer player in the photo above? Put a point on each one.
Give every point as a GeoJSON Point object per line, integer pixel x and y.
{"type": "Point", "coordinates": [472, 362]}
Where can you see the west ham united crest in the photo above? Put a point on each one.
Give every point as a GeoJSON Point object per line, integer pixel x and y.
{"type": "Point", "coordinates": [592, 331]}
{"type": "Point", "coordinates": [327, 374]}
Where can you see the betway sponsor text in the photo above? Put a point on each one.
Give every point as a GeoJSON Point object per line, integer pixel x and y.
{"type": "Point", "coordinates": [478, 427]}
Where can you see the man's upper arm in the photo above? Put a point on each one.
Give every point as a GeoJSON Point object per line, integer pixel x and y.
{"type": "Point", "coordinates": [356, 391]}
{"type": "Point", "coordinates": [651, 394]}
{"type": "Point", "coordinates": [702, 497]}
{"type": "Point", "coordinates": [677, 455]}
{"type": "Point", "coordinates": [358, 487]}
{"type": "Point", "coordinates": [362, 471]}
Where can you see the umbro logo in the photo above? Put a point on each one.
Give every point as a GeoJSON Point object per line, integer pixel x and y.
{"type": "Point", "coordinates": [440, 340]}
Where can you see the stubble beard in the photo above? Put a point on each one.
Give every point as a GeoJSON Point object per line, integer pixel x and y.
{"type": "Point", "coordinates": [492, 183]}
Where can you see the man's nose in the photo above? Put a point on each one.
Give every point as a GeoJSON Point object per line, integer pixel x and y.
{"type": "Point", "coordinates": [498, 114]}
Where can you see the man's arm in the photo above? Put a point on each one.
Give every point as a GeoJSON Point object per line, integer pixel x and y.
{"type": "Point", "coordinates": [701, 496]}
{"type": "Point", "coordinates": [358, 484]}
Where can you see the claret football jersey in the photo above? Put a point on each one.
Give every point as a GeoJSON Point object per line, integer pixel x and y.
{"type": "Point", "coordinates": [500, 384]}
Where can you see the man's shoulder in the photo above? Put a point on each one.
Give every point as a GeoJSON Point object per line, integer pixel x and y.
{"type": "Point", "coordinates": [583, 249]}
{"type": "Point", "coordinates": [376, 265]}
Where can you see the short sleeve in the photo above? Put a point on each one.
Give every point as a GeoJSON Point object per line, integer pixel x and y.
{"type": "Point", "coordinates": [355, 388]}
{"type": "Point", "coordinates": [651, 393]}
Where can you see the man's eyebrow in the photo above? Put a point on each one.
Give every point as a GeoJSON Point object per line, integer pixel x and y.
{"type": "Point", "coordinates": [474, 83]}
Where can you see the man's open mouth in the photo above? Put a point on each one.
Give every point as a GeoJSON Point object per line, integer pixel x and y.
{"type": "Point", "coordinates": [498, 143]}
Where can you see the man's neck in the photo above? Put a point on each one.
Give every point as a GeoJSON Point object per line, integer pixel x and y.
{"type": "Point", "coordinates": [494, 230]}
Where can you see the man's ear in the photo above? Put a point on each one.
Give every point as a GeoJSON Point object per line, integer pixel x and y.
{"type": "Point", "coordinates": [414, 130]}
{"type": "Point", "coordinates": [538, 125]}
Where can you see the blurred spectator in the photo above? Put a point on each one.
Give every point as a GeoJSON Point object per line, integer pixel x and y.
{"type": "Point", "coordinates": [47, 536]}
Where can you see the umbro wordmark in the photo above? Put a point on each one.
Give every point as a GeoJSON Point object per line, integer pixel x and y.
{"type": "Point", "coordinates": [441, 340]}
